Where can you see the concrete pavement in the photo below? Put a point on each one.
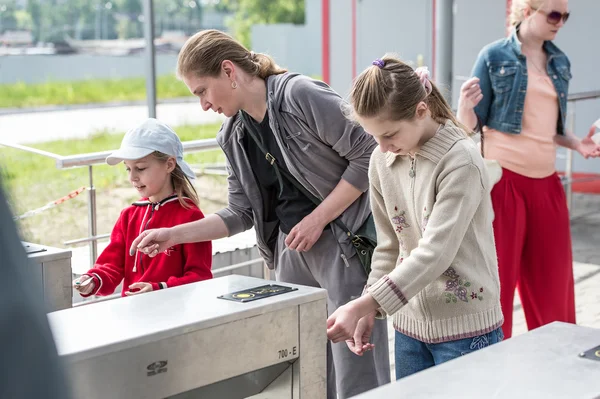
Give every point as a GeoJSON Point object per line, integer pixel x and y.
{"type": "Point", "coordinates": [35, 127]}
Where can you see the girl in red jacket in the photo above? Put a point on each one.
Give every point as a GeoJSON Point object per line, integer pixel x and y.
{"type": "Point", "coordinates": [153, 157]}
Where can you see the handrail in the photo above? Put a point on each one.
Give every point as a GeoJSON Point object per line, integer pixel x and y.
{"type": "Point", "coordinates": [584, 95]}
{"type": "Point", "coordinates": [31, 149]}
{"type": "Point", "coordinates": [96, 158]}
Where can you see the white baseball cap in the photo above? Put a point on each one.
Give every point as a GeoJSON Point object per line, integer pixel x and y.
{"type": "Point", "coordinates": [150, 136]}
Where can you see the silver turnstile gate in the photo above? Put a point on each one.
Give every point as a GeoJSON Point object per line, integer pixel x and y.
{"type": "Point", "coordinates": [185, 343]}
{"type": "Point", "coordinates": [52, 270]}
{"type": "Point", "coordinates": [558, 360]}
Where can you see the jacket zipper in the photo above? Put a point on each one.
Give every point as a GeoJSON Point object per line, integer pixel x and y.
{"type": "Point", "coordinates": [412, 173]}
{"type": "Point", "coordinates": [146, 228]}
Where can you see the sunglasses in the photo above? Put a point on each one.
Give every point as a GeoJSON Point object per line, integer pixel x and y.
{"type": "Point", "coordinates": [554, 17]}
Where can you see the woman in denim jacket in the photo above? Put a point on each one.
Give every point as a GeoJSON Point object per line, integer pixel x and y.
{"type": "Point", "coordinates": [518, 99]}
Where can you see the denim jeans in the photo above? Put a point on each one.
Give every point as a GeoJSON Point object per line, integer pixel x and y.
{"type": "Point", "coordinates": [413, 355]}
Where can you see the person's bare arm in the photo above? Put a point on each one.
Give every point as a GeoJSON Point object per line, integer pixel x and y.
{"type": "Point", "coordinates": [153, 242]}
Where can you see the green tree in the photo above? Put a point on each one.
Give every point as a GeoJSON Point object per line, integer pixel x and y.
{"type": "Point", "coordinates": [24, 21]}
{"type": "Point", "coordinates": [8, 19]}
{"type": "Point", "coordinates": [129, 26]}
{"type": "Point", "coordinates": [35, 12]}
{"type": "Point", "coordinates": [251, 12]}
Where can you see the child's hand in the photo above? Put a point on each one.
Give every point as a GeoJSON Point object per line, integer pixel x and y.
{"type": "Point", "coordinates": [138, 288]}
{"type": "Point", "coordinates": [342, 323]}
{"type": "Point", "coordinates": [362, 335]}
{"type": "Point", "coordinates": [84, 284]}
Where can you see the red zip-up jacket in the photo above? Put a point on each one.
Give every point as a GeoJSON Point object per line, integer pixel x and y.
{"type": "Point", "coordinates": [178, 265]}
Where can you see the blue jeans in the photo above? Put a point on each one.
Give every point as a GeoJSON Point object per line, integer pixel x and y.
{"type": "Point", "coordinates": [413, 355]}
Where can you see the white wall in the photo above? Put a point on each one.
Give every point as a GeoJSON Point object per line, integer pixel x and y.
{"type": "Point", "coordinates": [295, 47]}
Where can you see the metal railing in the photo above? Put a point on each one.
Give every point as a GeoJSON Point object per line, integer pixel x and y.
{"type": "Point", "coordinates": [89, 160]}
{"type": "Point", "coordinates": [96, 158]}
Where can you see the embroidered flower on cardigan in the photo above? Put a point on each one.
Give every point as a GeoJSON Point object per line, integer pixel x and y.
{"type": "Point", "coordinates": [400, 221]}
{"type": "Point", "coordinates": [456, 288]}
{"type": "Point", "coordinates": [425, 218]}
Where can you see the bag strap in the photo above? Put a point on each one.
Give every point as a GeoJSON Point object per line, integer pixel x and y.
{"type": "Point", "coordinates": [279, 171]}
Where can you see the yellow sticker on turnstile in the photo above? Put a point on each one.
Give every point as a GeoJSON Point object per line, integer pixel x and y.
{"type": "Point", "coordinates": [243, 295]}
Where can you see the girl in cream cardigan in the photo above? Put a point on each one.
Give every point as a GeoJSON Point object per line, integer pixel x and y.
{"type": "Point", "coordinates": [434, 269]}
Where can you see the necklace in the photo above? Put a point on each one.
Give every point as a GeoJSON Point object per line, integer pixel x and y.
{"type": "Point", "coordinates": [540, 70]}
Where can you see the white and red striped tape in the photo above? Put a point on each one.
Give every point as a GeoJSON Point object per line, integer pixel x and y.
{"type": "Point", "coordinates": [52, 204]}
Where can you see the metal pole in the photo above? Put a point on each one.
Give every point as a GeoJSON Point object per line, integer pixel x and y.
{"type": "Point", "coordinates": [150, 62]}
{"type": "Point", "coordinates": [97, 7]}
{"type": "Point", "coordinates": [442, 68]}
{"type": "Point", "coordinates": [569, 166]}
{"type": "Point", "coordinates": [92, 217]}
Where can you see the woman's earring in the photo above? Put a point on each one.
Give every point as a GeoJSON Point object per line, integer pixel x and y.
{"type": "Point", "coordinates": [233, 84]}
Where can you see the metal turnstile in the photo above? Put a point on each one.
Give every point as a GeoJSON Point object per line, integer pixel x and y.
{"type": "Point", "coordinates": [558, 360]}
{"type": "Point", "coordinates": [52, 271]}
{"type": "Point", "coordinates": [185, 342]}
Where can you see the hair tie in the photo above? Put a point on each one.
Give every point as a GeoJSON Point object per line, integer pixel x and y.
{"type": "Point", "coordinates": [379, 62]}
{"type": "Point", "coordinates": [423, 75]}
{"type": "Point", "coordinates": [252, 55]}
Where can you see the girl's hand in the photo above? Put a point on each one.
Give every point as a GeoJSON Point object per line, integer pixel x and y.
{"type": "Point", "coordinates": [139, 288]}
{"type": "Point", "coordinates": [342, 324]}
{"type": "Point", "coordinates": [362, 335]}
{"type": "Point", "coordinates": [470, 94]}
{"type": "Point", "coordinates": [304, 235]}
{"type": "Point", "coordinates": [84, 284]}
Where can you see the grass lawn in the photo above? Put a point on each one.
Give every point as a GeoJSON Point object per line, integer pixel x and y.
{"type": "Point", "coordinates": [21, 95]}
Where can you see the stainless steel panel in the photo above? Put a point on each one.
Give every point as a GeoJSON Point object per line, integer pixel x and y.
{"type": "Point", "coordinates": [190, 360]}
{"type": "Point", "coordinates": [51, 269]}
{"type": "Point", "coordinates": [101, 328]}
{"type": "Point", "coordinates": [58, 289]}
{"type": "Point", "coordinates": [42, 253]}
{"type": "Point", "coordinates": [312, 365]}
{"type": "Point", "coordinates": [276, 379]}
{"type": "Point", "coordinates": [177, 340]}
{"type": "Point", "coordinates": [543, 363]}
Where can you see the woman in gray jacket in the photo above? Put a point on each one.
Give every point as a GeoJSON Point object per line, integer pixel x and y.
{"type": "Point", "coordinates": [298, 121]}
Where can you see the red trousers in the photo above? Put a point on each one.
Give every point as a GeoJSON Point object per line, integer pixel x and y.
{"type": "Point", "coordinates": [533, 243]}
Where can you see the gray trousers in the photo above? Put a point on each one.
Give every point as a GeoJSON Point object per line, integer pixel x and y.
{"type": "Point", "coordinates": [322, 266]}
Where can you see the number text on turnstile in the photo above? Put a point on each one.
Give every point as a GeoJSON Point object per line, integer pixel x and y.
{"type": "Point", "coordinates": [283, 353]}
